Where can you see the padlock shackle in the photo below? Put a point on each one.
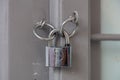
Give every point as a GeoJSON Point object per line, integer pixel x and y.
{"type": "Point", "coordinates": [66, 35]}
{"type": "Point", "coordinates": [59, 56]}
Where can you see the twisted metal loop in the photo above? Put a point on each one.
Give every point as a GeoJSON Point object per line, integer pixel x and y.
{"type": "Point", "coordinates": [65, 34]}
{"type": "Point", "coordinates": [41, 24]}
{"type": "Point", "coordinates": [74, 20]}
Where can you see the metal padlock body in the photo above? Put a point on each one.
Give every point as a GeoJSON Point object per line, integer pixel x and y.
{"type": "Point", "coordinates": [59, 56]}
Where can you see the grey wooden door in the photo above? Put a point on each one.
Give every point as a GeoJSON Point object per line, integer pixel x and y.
{"type": "Point", "coordinates": [24, 53]}
{"type": "Point", "coordinates": [21, 53]}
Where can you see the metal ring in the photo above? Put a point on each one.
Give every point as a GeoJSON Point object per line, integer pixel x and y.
{"type": "Point", "coordinates": [53, 32]}
{"type": "Point", "coordinates": [64, 32]}
{"type": "Point", "coordinates": [74, 20]}
{"type": "Point", "coordinates": [40, 25]}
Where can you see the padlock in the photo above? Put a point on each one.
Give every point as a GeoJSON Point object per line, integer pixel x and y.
{"type": "Point", "coordinates": [59, 56]}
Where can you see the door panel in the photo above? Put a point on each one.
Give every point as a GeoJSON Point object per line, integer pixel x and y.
{"type": "Point", "coordinates": [26, 52]}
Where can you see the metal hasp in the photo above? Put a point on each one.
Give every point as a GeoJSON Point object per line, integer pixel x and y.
{"type": "Point", "coordinates": [58, 56]}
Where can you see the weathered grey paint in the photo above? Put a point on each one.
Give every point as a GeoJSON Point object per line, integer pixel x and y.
{"type": "Point", "coordinates": [26, 51]}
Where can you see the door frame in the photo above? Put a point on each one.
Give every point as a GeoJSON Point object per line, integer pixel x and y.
{"type": "Point", "coordinates": [4, 52]}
